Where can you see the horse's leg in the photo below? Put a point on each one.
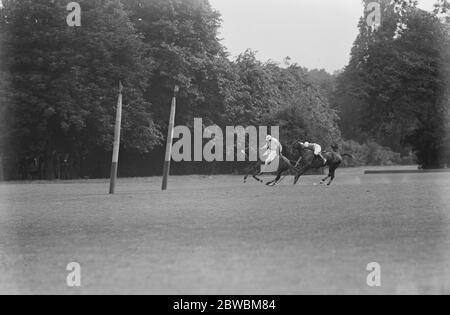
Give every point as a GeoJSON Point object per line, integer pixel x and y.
{"type": "Point", "coordinates": [299, 174]}
{"type": "Point", "coordinates": [332, 175]}
{"type": "Point", "coordinates": [297, 177]}
{"type": "Point", "coordinates": [282, 168]}
{"type": "Point", "coordinates": [323, 180]}
{"type": "Point", "coordinates": [272, 182]}
{"type": "Point", "coordinates": [279, 180]}
{"type": "Point", "coordinates": [251, 169]}
{"type": "Point", "coordinates": [246, 177]}
{"type": "Point", "coordinates": [258, 172]}
{"type": "Point", "coordinates": [332, 178]}
{"type": "Point", "coordinates": [255, 176]}
{"type": "Point", "coordinates": [275, 181]}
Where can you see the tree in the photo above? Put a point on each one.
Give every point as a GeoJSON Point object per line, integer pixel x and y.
{"type": "Point", "coordinates": [284, 97]}
{"type": "Point", "coordinates": [60, 86]}
{"type": "Point", "coordinates": [394, 87]}
{"type": "Point", "coordinates": [325, 81]}
{"type": "Point", "coordinates": [63, 80]}
{"type": "Point", "coordinates": [182, 37]}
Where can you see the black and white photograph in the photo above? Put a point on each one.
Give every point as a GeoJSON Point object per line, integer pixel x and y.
{"type": "Point", "coordinates": [224, 155]}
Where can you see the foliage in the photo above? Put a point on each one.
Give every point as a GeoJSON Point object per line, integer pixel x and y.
{"type": "Point", "coordinates": [373, 154]}
{"type": "Point", "coordinates": [395, 88]}
{"type": "Point", "coordinates": [63, 81]}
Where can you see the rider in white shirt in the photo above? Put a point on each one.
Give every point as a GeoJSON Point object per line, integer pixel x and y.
{"type": "Point", "coordinates": [274, 149]}
{"type": "Point", "coordinates": [317, 149]}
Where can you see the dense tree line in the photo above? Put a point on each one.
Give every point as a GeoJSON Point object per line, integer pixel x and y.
{"type": "Point", "coordinates": [395, 90]}
{"type": "Point", "coordinates": [62, 86]}
{"type": "Point", "coordinates": [58, 87]}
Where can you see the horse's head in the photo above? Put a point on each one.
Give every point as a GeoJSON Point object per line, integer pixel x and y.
{"type": "Point", "coordinates": [298, 146]}
{"type": "Point", "coordinates": [302, 152]}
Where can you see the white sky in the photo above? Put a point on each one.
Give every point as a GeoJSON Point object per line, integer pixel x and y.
{"type": "Point", "coordinates": [314, 33]}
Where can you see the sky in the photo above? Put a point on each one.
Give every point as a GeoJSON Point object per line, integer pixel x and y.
{"type": "Point", "coordinates": [313, 33]}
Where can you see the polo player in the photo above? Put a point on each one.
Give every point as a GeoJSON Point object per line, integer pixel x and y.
{"type": "Point", "coordinates": [316, 148]}
{"type": "Point", "coordinates": [274, 149]}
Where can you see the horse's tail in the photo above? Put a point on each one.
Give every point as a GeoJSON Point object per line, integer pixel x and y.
{"type": "Point", "coordinates": [348, 155]}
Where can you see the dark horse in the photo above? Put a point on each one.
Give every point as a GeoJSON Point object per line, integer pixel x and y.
{"type": "Point", "coordinates": [255, 169]}
{"type": "Point", "coordinates": [308, 161]}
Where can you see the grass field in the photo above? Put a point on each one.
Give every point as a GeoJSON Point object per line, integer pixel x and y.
{"type": "Point", "coordinates": [215, 235]}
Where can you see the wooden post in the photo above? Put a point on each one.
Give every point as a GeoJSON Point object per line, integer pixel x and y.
{"type": "Point", "coordinates": [168, 158]}
{"type": "Point", "coordinates": [115, 157]}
